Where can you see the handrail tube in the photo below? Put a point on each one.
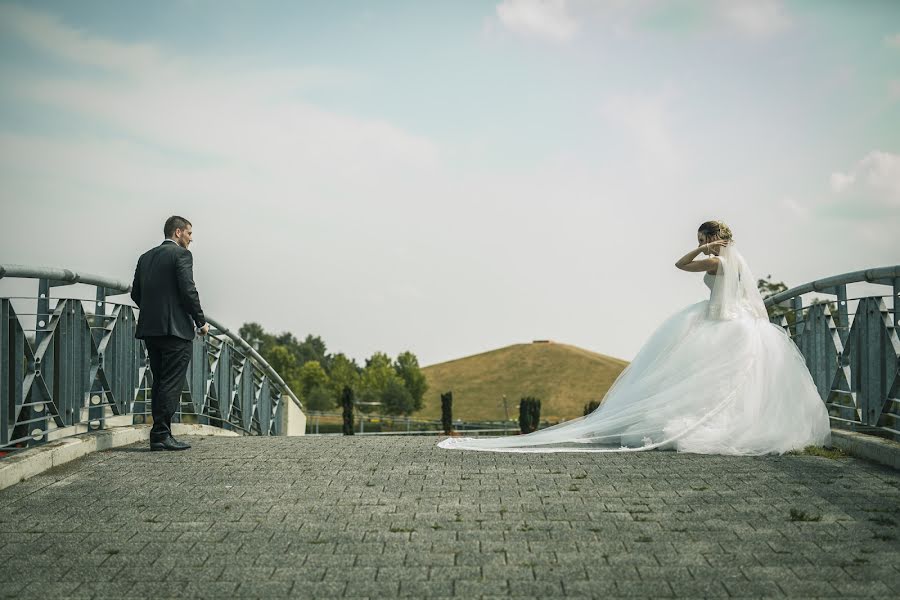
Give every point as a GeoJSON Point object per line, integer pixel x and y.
{"type": "Point", "coordinates": [65, 275]}
{"type": "Point", "coordinates": [68, 276]}
{"type": "Point", "coordinates": [875, 275]}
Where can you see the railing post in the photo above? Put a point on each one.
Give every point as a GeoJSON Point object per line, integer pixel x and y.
{"type": "Point", "coordinates": [799, 321]}
{"type": "Point", "coordinates": [843, 313]}
{"type": "Point", "coordinates": [896, 305]}
{"type": "Point", "coordinates": [43, 312]}
{"type": "Point", "coordinates": [869, 348]}
{"type": "Point", "coordinates": [99, 313]}
{"type": "Point", "coordinates": [100, 304]}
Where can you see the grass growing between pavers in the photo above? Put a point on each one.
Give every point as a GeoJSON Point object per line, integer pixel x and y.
{"type": "Point", "coordinates": [832, 453]}
{"type": "Point", "coordinates": [803, 516]}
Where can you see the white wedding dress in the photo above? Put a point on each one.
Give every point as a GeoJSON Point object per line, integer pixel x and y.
{"type": "Point", "coordinates": [715, 378]}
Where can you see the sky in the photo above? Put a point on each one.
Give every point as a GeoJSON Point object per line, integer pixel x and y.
{"type": "Point", "coordinates": [451, 177]}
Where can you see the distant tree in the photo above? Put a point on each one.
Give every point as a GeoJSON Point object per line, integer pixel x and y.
{"type": "Point", "coordinates": [290, 342]}
{"type": "Point", "coordinates": [312, 348]}
{"type": "Point", "coordinates": [376, 376]}
{"type": "Point", "coordinates": [315, 388]}
{"type": "Point", "coordinates": [396, 399]}
{"type": "Point", "coordinates": [319, 398]}
{"type": "Point", "coordinates": [378, 360]}
{"type": "Point", "coordinates": [344, 372]}
{"type": "Point", "coordinates": [306, 367]}
{"type": "Point", "coordinates": [256, 336]}
{"type": "Point", "coordinates": [407, 367]}
{"type": "Point", "coordinates": [285, 364]}
{"type": "Point", "coordinates": [312, 375]}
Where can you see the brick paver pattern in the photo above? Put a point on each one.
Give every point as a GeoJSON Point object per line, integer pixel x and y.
{"type": "Point", "coordinates": [388, 516]}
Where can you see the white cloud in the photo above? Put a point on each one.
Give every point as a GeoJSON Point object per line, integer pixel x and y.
{"type": "Point", "coordinates": [841, 181]}
{"type": "Point", "coordinates": [247, 122]}
{"type": "Point", "coordinates": [892, 41]}
{"type": "Point", "coordinates": [758, 18]}
{"type": "Point", "coordinates": [547, 19]}
{"type": "Point", "coordinates": [47, 33]}
{"type": "Point", "coordinates": [875, 179]}
{"type": "Point", "coordinates": [865, 207]}
{"type": "Point", "coordinates": [562, 20]}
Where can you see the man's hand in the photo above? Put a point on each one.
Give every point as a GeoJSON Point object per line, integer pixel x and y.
{"type": "Point", "coordinates": [204, 330]}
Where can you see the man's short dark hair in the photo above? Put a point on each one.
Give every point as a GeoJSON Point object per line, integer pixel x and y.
{"type": "Point", "coordinates": [173, 223]}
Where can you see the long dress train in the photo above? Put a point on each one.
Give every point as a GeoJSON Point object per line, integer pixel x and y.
{"type": "Point", "coordinates": [715, 378]}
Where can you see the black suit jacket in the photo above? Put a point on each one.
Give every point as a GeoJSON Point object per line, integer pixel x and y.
{"type": "Point", "coordinates": [164, 290]}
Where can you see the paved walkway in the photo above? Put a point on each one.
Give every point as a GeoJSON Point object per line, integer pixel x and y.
{"type": "Point", "coordinates": [380, 517]}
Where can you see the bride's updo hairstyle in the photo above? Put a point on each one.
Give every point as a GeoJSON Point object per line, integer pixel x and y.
{"type": "Point", "coordinates": [716, 230]}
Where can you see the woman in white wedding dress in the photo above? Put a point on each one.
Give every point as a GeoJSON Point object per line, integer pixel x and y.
{"type": "Point", "coordinates": [715, 378]}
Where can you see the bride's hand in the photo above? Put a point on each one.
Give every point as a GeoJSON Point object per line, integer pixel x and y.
{"type": "Point", "coordinates": [709, 246]}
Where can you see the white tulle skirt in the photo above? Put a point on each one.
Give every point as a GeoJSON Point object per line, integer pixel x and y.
{"type": "Point", "coordinates": [697, 385]}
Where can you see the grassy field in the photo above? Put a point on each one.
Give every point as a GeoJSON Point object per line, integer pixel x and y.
{"type": "Point", "coordinates": [564, 377]}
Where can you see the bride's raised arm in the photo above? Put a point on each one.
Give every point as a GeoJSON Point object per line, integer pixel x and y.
{"type": "Point", "coordinates": [711, 264]}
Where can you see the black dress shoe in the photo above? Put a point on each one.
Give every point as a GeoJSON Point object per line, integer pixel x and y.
{"type": "Point", "coordinates": [168, 443]}
{"type": "Point", "coordinates": [184, 445]}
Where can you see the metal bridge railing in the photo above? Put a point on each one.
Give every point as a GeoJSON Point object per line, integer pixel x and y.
{"type": "Point", "coordinates": [82, 370]}
{"type": "Point", "coordinates": [851, 346]}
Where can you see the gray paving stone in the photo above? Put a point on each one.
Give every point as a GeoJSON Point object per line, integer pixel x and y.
{"type": "Point", "coordinates": [319, 589]}
{"type": "Point", "coordinates": [656, 589]}
{"type": "Point", "coordinates": [372, 589]}
{"type": "Point", "coordinates": [753, 588]}
{"type": "Point", "coordinates": [536, 589]}
{"type": "Point", "coordinates": [599, 588]}
{"type": "Point", "coordinates": [479, 588]}
{"type": "Point", "coordinates": [799, 587]}
{"type": "Point", "coordinates": [402, 573]}
{"type": "Point", "coordinates": [426, 589]}
{"type": "Point", "coordinates": [369, 517]}
{"type": "Point", "coordinates": [689, 588]}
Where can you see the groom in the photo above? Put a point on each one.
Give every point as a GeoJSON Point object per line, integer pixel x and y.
{"type": "Point", "coordinates": [165, 293]}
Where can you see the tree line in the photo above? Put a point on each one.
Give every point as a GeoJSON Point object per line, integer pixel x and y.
{"type": "Point", "coordinates": [318, 378]}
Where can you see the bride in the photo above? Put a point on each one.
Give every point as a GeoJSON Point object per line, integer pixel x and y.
{"type": "Point", "coordinates": [715, 378]}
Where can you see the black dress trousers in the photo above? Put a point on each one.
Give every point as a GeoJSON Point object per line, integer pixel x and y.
{"type": "Point", "coordinates": [169, 359]}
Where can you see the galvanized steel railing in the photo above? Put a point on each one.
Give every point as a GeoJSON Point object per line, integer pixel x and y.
{"type": "Point", "coordinates": [83, 370]}
{"type": "Point", "coordinates": [853, 352]}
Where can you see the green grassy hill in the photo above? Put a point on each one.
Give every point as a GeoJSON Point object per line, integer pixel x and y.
{"type": "Point", "coordinates": [564, 377]}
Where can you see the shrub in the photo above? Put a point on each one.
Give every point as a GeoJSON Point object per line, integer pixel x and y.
{"type": "Point", "coordinates": [529, 414]}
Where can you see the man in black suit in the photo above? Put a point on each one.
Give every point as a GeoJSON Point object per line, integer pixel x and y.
{"type": "Point", "coordinates": [165, 293]}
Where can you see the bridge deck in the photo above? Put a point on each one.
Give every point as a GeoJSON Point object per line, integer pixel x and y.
{"type": "Point", "coordinates": [375, 517]}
